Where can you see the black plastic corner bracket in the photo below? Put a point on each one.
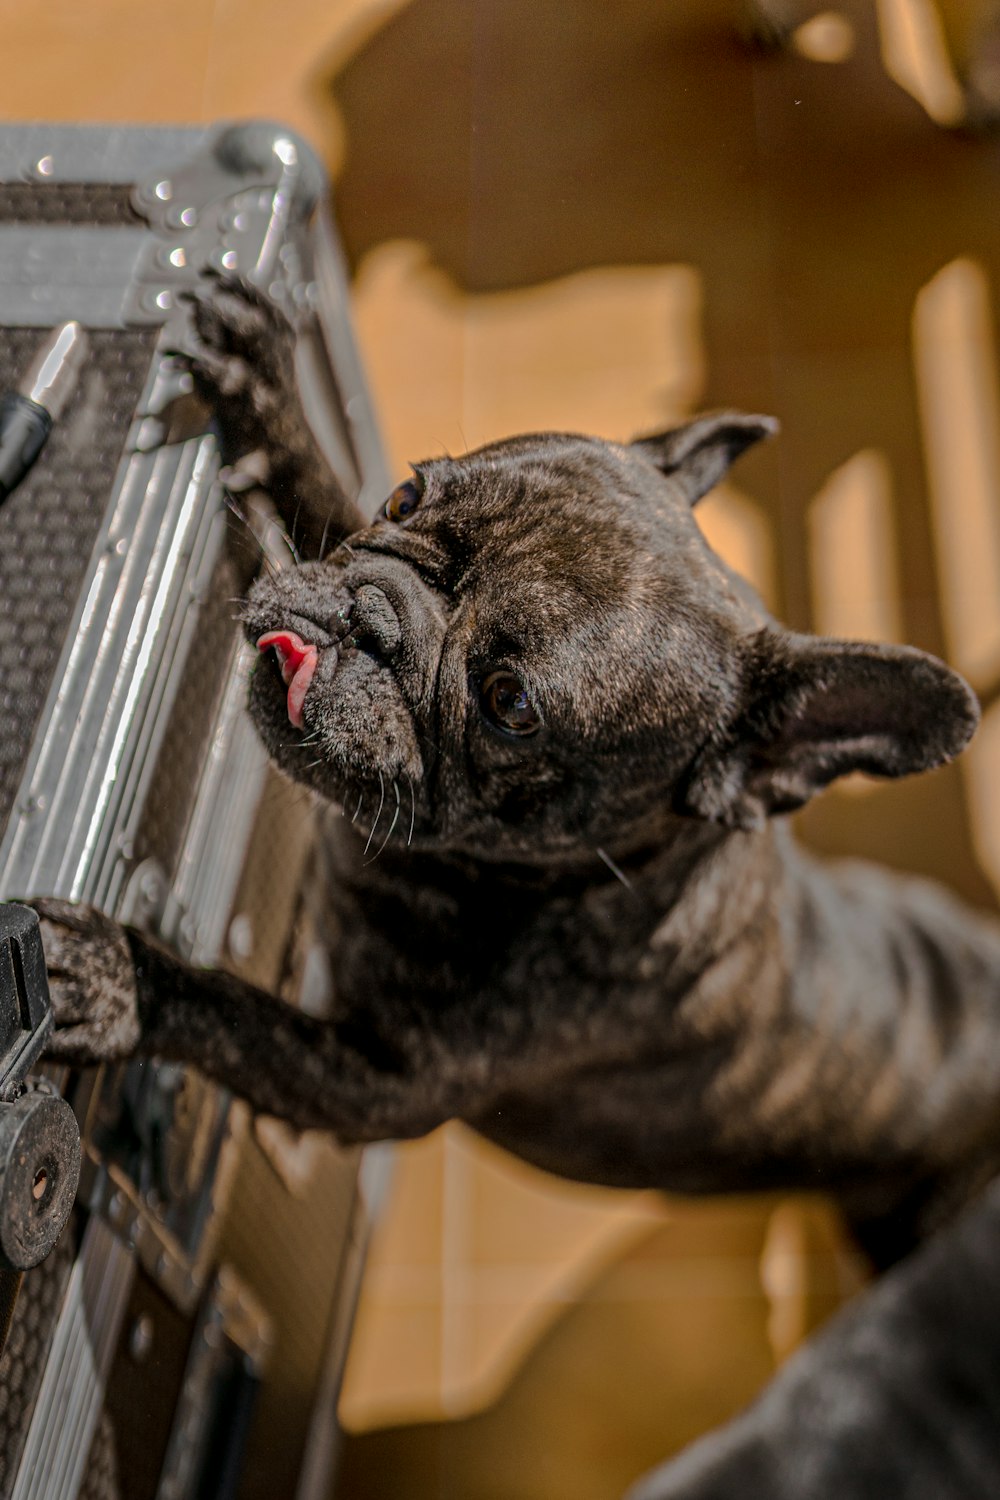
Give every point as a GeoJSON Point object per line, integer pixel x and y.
{"type": "Point", "coordinates": [25, 1010]}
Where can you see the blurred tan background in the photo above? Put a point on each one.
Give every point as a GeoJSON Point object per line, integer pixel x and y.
{"type": "Point", "coordinates": [603, 216]}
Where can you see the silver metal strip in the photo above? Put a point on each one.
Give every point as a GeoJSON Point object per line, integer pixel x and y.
{"type": "Point", "coordinates": [91, 153]}
{"type": "Point", "coordinates": [203, 889]}
{"type": "Point", "coordinates": [62, 1424]}
{"type": "Point", "coordinates": [49, 273]}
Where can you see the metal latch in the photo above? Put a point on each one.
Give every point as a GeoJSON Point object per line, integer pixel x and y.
{"type": "Point", "coordinates": [39, 1134]}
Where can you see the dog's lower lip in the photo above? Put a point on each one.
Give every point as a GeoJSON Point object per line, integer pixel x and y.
{"type": "Point", "coordinates": [298, 660]}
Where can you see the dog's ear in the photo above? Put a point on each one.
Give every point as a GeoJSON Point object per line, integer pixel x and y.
{"type": "Point", "coordinates": [815, 709]}
{"type": "Point", "coordinates": [697, 455]}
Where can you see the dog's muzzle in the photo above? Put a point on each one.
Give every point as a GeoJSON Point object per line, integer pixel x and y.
{"type": "Point", "coordinates": [370, 622]}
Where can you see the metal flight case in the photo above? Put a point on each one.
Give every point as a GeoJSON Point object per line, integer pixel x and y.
{"type": "Point", "coordinates": [186, 1337]}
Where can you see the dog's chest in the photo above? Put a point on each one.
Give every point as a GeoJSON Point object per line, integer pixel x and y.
{"type": "Point", "coordinates": [476, 954]}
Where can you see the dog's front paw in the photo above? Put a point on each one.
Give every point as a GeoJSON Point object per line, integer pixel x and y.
{"type": "Point", "coordinates": [92, 982]}
{"type": "Point", "coordinates": [242, 362]}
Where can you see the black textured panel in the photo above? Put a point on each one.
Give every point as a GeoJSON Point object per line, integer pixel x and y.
{"type": "Point", "coordinates": [66, 203]}
{"type": "Point", "coordinates": [100, 1479]}
{"type": "Point", "coordinates": [48, 526]}
{"type": "Point", "coordinates": [144, 1387]}
{"type": "Point", "coordinates": [23, 1361]}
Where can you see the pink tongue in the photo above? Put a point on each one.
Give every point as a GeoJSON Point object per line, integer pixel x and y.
{"type": "Point", "coordinates": [298, 663]}
{"type": "Point", "coordinates": [299, 686]}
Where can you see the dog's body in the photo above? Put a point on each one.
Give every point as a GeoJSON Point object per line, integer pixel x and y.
{"type": "Point", "coordinates": [559, 727]}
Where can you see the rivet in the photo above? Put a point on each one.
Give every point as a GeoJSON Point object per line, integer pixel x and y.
{"type": "Point", "coordinates": [233, 220]}
{"type": "Point", "coordinates": [241, 936]}
{"type": "Point", "coordinates": [181, 216]}
{"type": "Point", "coordinates": [140, 1338]}
{"type": "Point", "coordinates": [284, 149]}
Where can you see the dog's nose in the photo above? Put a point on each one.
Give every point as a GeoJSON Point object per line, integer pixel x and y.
{"type": "Point", "coordinates": [374, 622]}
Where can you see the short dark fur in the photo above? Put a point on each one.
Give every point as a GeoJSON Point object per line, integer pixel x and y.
{"type": "Point", "coordinates": [592, 943]}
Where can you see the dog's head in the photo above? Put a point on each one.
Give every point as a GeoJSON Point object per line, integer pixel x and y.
{"type": "Point", "coordinates": [533, 652]}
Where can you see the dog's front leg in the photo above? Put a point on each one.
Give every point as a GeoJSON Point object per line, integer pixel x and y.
{"type": "Point", "coordinates": [115, 993]}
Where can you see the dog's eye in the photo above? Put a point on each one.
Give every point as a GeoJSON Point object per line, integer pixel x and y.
{"type": "Point", "coordinates": [507, 705]}
{"type": "Point", "coordinates": [404, 500]}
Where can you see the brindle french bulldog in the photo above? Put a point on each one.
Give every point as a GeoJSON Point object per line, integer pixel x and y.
{"type": "Point", "coordinates": [564, 733]}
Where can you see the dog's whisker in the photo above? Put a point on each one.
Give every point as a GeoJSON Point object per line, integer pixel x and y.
{"type": "Point", "coordinates": [413, 811]}
{"type": "Point", "coordinates": [357, 810]}
{"type": "Point", "coordinates": [312, 739]}
{"type": "Point", "coordinates": [241, 514]}
{"type": "Point", "coordinates": [245, 527]}
{"type": "Point", "coordinates": [381, 803]}
{"type": "Point", "coordinates": [392, 826]}
{"type": "Point", "coordinates": [618, 873]}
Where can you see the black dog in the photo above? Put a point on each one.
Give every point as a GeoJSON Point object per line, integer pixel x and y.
{"type": "Point", "coordinates": [560, 728]}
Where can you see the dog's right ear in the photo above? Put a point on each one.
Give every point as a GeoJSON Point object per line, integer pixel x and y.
{"type": "Point", "coordinates": [697, 455]}
{"type": "Point", "coordinates": [814, 709]}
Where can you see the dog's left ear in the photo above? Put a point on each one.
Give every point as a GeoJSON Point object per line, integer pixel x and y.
{"type": "Point", "coordinates": [815, 709]}
{"type": "Point", "coordinates": [697, 455]}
